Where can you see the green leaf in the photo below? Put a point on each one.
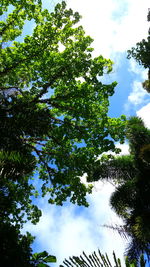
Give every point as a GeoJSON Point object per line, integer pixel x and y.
{"type": "Point", "coordinates": [50, 259]}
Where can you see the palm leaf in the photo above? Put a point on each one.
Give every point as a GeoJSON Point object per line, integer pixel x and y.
{"type": "Point", "coordinates": [100, 260]}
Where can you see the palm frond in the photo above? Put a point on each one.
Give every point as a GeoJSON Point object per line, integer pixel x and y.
{"type": "Point", "coordinates": [100, 260]}
{"type": "Point", "coordinates": [120, 229]}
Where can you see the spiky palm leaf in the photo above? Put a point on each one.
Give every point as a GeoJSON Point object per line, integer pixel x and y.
{"type": "Point", "coordinates": [100, 260]}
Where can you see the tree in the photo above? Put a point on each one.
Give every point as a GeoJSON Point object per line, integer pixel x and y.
{"type": "Point", "coordinates": [131, 198]}
{"type": "Point", "coordinates": [53, 103]}
{"type": "Point", "coordinates": [141, 53]}
{"type": "Point", "coordinates": [100, 260]}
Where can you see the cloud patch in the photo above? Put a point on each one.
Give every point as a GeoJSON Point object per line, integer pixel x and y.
{"type": "Point", "coordinates": [115, 25]}
{"type": "Point", "coordinates": [144, 113]}
{"type": "Point", "coordinates": [138, 70]}
{"type": "Point", "coordinates": [138, 94]}
{"type": "Point", "coordinates": [68, 230]}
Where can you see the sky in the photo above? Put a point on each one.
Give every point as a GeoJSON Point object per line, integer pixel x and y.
{"type": "Point", "coordinates": [115, 26]}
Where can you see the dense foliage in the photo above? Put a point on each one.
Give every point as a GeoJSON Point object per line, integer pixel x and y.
{"type": "Point", "coordinates": [131, 199]}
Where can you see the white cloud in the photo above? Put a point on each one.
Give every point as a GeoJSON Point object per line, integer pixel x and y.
{"type": "Point", "coordinates": [68, 230]}
{"type": "Point", "coordinates": [124, 148]}
{"type": "Point", "coordinates": [137, 69]}
{"type": "Point", "coordinates": [144, 113]}
{"type": "Point", "coordinates": [115, 25]}
{"type": "Point", "coordinates": [61, 47]}
{"type": "Point", "coordinates": [138, 94]}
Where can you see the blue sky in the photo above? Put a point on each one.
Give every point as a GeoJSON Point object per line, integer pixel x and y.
{"type": "Point", "coordinates": [116, 26]}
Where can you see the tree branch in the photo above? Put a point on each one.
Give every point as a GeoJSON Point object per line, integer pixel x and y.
{"type": "Point", "coordinates": [47, 85]}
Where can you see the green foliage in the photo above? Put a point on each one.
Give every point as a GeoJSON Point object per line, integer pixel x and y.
{"type": "Point", "coordinates": [118, 167]}
{"type": "Point", "coordinates": [21, 10]}
{"type": "Point", "coordinates": [53, 103]}
{"type": "Point", "coordinates": [131, 199]}
{"type": "Point", "coordinates": [41, 259]}
{"type": "Point", "coordinates": [141, 53]}
{"type": "Point", "coordinates": [146, 84]}
{"type": "Point", "coordinates": [15, 249]}
{"type": "Point", "coordinates": [101, 260]}
{"type": "Point", "coordinates": [54, 119]}
{"type": "Point", "coordinates": [15, 191]}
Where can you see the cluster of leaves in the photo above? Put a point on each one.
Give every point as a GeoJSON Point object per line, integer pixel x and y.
{"type": "Point", "coordinates": [100, 260]}
{"type": "Point", "coordinates": [141, 53]}
{"type": "Point", "coordinates": [22, 10]}
{"type": "Point", "coordinates": [131, 199]}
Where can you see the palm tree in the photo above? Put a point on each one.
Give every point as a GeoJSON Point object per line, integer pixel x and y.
{"type": "Point", "coordinates": [131, 175]}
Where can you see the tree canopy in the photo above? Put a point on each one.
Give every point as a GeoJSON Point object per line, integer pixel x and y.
{"type": "Point", "coordinates": [53, 103]}
{"type": "Point", "coordinates": [53, 116]}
